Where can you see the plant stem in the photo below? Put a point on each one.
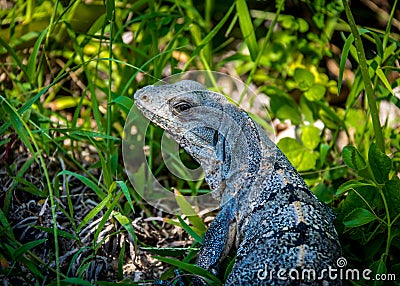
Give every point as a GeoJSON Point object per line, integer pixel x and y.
{"type": "Point", "coordinates": [366, 78]}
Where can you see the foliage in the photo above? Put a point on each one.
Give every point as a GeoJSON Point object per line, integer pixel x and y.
{"type": "Point", "coordinates": [68, 70]}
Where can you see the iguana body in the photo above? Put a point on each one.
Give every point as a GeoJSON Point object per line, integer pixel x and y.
{"type": "Point", "coordinates": [267, 210]}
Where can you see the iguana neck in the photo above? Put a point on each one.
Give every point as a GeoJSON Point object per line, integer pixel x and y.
{"type": "Point", "coordinates": [235, 156]}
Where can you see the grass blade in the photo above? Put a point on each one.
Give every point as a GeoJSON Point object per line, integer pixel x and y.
{"type": "Point", "coordinates": [247, 28]}
{"type": "Point", "coordinates": [207, 276]}
{"type": "Point", "coordinates": [89, 183]}
{"type": "Point", "coordinates": [32, 67]}
{"type": "Point", "coordinates": [94, 212]}
{"type": "Point", "coordinates": [343, 58]}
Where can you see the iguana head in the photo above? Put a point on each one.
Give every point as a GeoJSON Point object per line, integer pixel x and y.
{"type": "Point", "coordinates": [219, 135]}
{"type": "Point", "coordinates": [186, 110]}
{"type": "Point", "coordinates": [194, 117]}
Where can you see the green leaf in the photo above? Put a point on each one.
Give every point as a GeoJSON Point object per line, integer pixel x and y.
{"type": "Point", "coordinates": [378, 267]}
{"type": "Point", "coordinates": [384, 80]}
{"type": "Point", "coordinates": [76, 281]}
{"type": "Point", "coordinates": [310, 137]}
{"type": "Point", "coordinates": [353, 158]}
{"type": "Point", "coordinates": [324, 193]}
{"type": "Point", "coordinates": [89, 183]}
{"type": "Point", "coordinates": [127, 195]}
{"type": "Point", "coordinates": [27, 246]}
{"type": "Point", "coordinates": [301, 158]}
{"type": "Point", "coordinates": [345, 53]}
{"type": "Point", "coordinates": [246, 26]}
{"type": "Point", "coordinates": [126, 223]}
{"type": "Point", "coordinates": [187, 209]}
{"type": "Point", "coordinates": [94, 211]}
{"type": "Point", "coordinates": [349, 185]}
{"type": "Point", "coordinates": [208, 37]}
{"type": "Point", "coordinates": [207, 276]}
{"type": "Point", "coordinates": [32, 66]}
{"type": "Point", "coordinates": [304, 78]}
{"type": "Point", "coordinates": [14, 55]}
{"type": "Point", "coordinates": [391, 191]}
{"type": "Point", "coordinates": [366, 197]}
{"type": "Point", "coordinates": [18, 124]}
{"type": "Point", "coordinates": [120, 272]}
{"type": "Point", "coordinates": [316, 92]}
{"type": "Point", "coordinates": [124, 102]}
{"type": "Point", "coordinates": [167, 251]}
{"type": "Point", "coordinates": [60, 232]}
{"type": "Point", "coordinates": [110, 9]}
{"type": "Point", "coordinates": [323, 151]}
{"type": "Point", "coordinates": [358, 217]}
{"type": "Point", "coordinates": [380, 164]}
{"type": "Point", "coordinates": [283, 106]}
{"type": "Point", "coordinates": [189, 230]}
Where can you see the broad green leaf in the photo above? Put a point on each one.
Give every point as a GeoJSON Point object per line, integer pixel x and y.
{"type": "Point", "coordinates": [310, 137]}
{"type": "Point", "coordinates": [283, 106]}
{"type": "Point", "coordinates": [304, 78]}
{"type": "Point", "coordinates": [301, 158]}
{"type": "Point", "coordinates": [391, 191]}
{"type": "Point", "coordinates": [323, 151]}
{"type": "Point", "coordinates": [352, 184]}
{"type": "Point", "coordinates": [353, 158]}
{"type": "Point", "coordinates": [124, 102]}
{"type": "Point", "coordinates": [365, 197]}
{"type": "Point", "coordinates": [324, 193]}
{"type": "Point", "coordinates": [316, 92]}
{"type": "Point", "coordinates": [380, 164]}
{"type": "Point", "coordinates": [246, 26]}
{"type": "Point", "coordinates": [378, 267]}
{"type": "Point", "coordinates": [358, 217]}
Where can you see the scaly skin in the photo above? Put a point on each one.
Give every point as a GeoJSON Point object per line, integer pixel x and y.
{"type": "Point", "coordinates": [267, 211]}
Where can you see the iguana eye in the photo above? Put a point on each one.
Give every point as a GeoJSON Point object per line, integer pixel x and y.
{"type": "Point", "coordinates": [182, 106]}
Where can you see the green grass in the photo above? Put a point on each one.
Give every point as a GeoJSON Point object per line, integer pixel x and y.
{"type": "Point", "coordinates": [68, 72]}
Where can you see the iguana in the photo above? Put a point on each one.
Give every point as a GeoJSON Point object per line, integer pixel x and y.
{"type": "Point", "coordinates": [279, 227]}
